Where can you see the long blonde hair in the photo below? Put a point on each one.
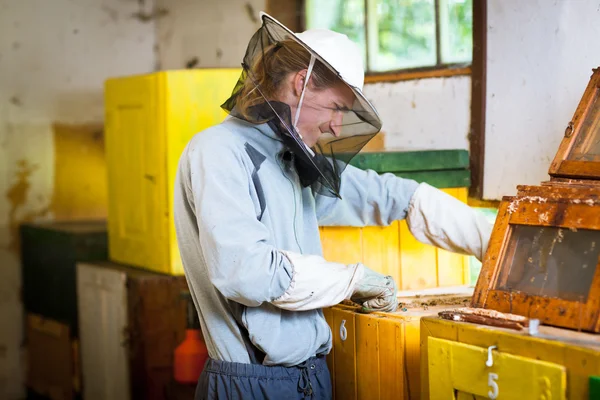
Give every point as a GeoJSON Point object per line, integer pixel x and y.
{"type": "Point", "coordinates": [271, 69]}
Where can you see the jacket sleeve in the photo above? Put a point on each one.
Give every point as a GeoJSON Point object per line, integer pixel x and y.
{"type": "Point", "coordinates": [367, 199]}
{"type": "Point", "coordinates": [234, 244]}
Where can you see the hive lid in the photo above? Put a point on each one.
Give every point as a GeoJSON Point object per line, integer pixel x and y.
{"type": "Point", "coordinates": [579, 153]}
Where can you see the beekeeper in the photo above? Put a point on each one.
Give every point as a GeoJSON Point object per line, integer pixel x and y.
{"type": "Point", "coordinates": [250, 195]}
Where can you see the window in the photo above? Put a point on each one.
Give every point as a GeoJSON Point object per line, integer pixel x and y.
{"type": "Point", "coordinates": [400, 34]}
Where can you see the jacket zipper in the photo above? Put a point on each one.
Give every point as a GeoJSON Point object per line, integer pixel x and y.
{"type": "Point", "coordinates": [296, 201]}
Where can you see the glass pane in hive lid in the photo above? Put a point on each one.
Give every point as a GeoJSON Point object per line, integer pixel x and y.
{"type": "Point", "coordinates": [550, 262]}
{"type": "Point", "coordinates": [587, 141]}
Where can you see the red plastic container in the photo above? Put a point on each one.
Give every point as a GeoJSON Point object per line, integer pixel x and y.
{"type": "Point", "coordinates": [191, 355]}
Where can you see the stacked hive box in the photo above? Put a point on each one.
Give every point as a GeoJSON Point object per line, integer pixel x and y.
{"type": "Point", "coordinates": [149, 120]}
{"type": "Point", "coordinates": [454, 356]}
{"type": "Point", "coordinates": [49, 253]}
{"type": "Point", "coordinates": [130, 322]}
{"type": "Point", "coordinates": [376, 356]}
{"type": "Point", "coordinates": [95, 330]}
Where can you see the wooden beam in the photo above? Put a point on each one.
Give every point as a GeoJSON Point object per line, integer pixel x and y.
{"type": "Point", "coordinates": [288, 12]}
{"type": "Point", "coordinates": [436, 72]}
{"type": "Point", "coordinates": [478, 100]}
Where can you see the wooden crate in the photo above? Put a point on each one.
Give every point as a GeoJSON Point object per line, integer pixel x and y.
{"type": "Point", "coordinates": [52, 360]}
{"type": "Point", "coordinates": [454, 355]}
{"type": "Point", "coordinates": [49, 253]}
{"type": "Point", "coordinates": [131, 321]}
{"type": "Point", "coordinates": [149, 120]}
{"type": "Point", "coordinates": [377, 356]}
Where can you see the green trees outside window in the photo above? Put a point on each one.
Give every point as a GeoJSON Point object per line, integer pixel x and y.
{"type": "Point", "coordinates": [400, 34]}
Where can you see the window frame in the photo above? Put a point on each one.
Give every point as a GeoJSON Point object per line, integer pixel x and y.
{"type": "Point", "coordinates": [435, 71]}
{"type": "Point", "coordinates": [295, 11]}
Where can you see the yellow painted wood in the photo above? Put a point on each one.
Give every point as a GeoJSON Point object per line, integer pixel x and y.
{"type": "Point", "coordinates": [380, 354]}
{"type": "Point", "coordinates": [137, 217]}
{"type": "Point", "coordinates": [381, 250]}
{"type": "Point", "coordinates": [434, 330]}
{"type": "Point", "coordinates": [79, 172]}
{"type": "Point", "coordinates": [386, 361]}
{"type": "Point", "coordinates": [392, 250]}
{"type": "Point", "coordinates": [412, 353]}
{"type": "Point", "coordinates": [328, 314]}
{"type": "Point", "coordinates": [367, 356]}
{"type": "Point", "coordinates": [193, 103]}
{"type": "Point", "coordinates": [344, 354]}
{"type": "Point", "coordinates": [149, 120]}
{"type": "Point", "coordinates": [454, 365]}
{"type": "Point", "coordinates": [391, 358]}
{"type": "Point", "coordinates": [580, 361]}
{"type": "Point", "coordinates": [418, 261]}
{"type": "Point", "coordinates": [452, 268]}
{"type": "Point", "coordinates": [460, 395]}
{"type": "Point", "coordinates": [342, 244]}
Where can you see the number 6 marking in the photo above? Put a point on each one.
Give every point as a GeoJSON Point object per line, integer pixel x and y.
{"type": "Point", "coordinates": [343, 331]}
{"type": "Point", "coordinates": [494, 390]}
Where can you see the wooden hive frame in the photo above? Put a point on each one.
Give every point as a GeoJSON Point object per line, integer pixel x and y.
{"type": "Point", "coordinates": [568, 207]}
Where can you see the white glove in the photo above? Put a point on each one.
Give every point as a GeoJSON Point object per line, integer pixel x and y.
{"type": "Point", "coordinates": [436, 218]}
{"type": "Point", "coordinates": [317, 283]}
{"type": "Point", "coordinates": [376, 292]}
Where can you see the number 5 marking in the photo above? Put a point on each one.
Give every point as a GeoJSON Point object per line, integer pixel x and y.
{"type": "Point", "coordinates": [494, 390]}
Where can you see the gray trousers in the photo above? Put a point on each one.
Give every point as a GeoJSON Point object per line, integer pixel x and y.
{"type": "Point", "coordinates": [226, 380]}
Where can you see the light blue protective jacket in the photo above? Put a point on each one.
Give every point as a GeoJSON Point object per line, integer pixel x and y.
{"type": "Point", "coordinates": [238, 205]}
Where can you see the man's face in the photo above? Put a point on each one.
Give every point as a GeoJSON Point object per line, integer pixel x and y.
{"type": "Point", "coordinates": [322, 112]}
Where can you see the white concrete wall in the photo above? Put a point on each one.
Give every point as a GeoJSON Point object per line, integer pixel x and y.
{"type": "Point", "coordinates": [213, 32]}
{"type": "Point", "coordinates": [54, 58]}
{"type": "Point", "coordinates": [540, 58]}
{"type": "Point", "coordinates": [425, 114]}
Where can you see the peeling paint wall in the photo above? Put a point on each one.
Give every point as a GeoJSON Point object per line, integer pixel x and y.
{"type": "Point", "coordinates": [207, 33]}
{"type": "Point", "coordinates": [540, 58]}
{"type": "Point", "coordinates": [54, 58]}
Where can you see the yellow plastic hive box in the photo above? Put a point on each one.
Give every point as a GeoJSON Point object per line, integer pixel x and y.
{"type": "Point", "coordinates": [392, 249]}
{"type": "Point", "coordinates": [149, 120]}
{"type": "Point", "coordinates": [377, 356]}
{"type": "Point", "coordinates": [454, 356]}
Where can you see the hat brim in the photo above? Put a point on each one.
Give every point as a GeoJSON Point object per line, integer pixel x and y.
{"type": "Point", "coordinates": [365, 103]}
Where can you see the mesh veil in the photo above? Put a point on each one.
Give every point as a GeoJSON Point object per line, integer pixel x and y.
{"type": "Point", "coordinates": [254, 99]}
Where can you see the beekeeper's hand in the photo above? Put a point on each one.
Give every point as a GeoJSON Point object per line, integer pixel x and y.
{"type": "Point", "coordinates": [375, 292]}
{"type": "Point", "coordinates": [317, 283]}
{"type": "Point", "coordinates": [436, 218]}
